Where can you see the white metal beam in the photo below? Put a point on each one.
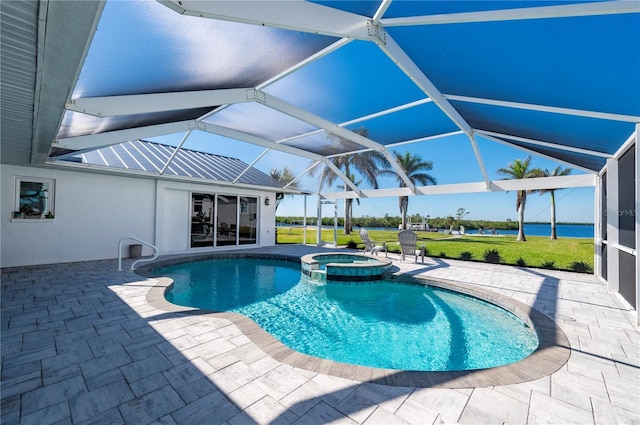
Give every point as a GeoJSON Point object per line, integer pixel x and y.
{"type": "Point", "coordinates": [538, 183]}
{"type": "Point", "coordinates": [381, 11]}
{"type": "Point", "coordinates": [175, 151]}
{"type": "Point", "coordinates": [559, 182]}
{"type": "Point", "coordinates": [476, 152]}
{"type": "Point", "coordinates": [613, 226]}
{"type": "Point", "coordinates": [630, 140]}
{"type": "Point", "coordinates": [249, 138]}
{"type": "Point", "coordinates": [546, 144]}
{"type": "Point", "coordinates": [327, 50]}
{"type": "Point", "coordinates": [119, 136]}
{"type": "Point", "coordinates": [425, 139]}
{"type": "Point", "coordinates": [525, 149]}
{"type": "Point", "coordinates": [292, 15]}
{"type": "Point", "coordinates": [361, 119]}
{"type": "Point", "coordinates": [344, 177]}
{"type": "Point", "coordinates": [543, 108]}
{"type": "Point", "coordinates": [258, 158]}
{"type": "Point", "coordinates": [544, 12]}
{"type": "Point", "coordinates": [637, 214]}
{"type": "Point", "coordinates": [113, 106]}
{"type": "Point", "coordinates": [386, 112]}
{"type": "Point", "coordinates": [286, 108]}
{"type": "Point", "coordinates": [311, 167]}
{"type": "Point", "coordinates": [411, 70]}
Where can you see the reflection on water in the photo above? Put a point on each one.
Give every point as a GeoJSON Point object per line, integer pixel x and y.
{"type": "Point", "coordinates": [375, 302]}
{"type": "Point", "coordinates": [384, 324]}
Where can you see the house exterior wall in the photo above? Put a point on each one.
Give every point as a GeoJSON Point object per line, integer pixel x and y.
{"type": "Point", "coordinates": [93, 211]}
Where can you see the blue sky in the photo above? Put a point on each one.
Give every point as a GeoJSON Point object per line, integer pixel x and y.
{"type": "Point", "coordinates": [352, 84]}
{"type": "Point", "coordinates": [453, 162]}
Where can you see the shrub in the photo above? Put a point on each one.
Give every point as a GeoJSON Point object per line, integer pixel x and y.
{"type": "Point", "coordinates": [352, 244]}
{"type": "Point", "coordinates": [581, 267]}
{"type": "Point", "coordinates": [492, 256]}
{"type": "Point", "coordinates": [466, 256]}
{"type": "Point", "coordinates": [521, 263]}
{"type": "Point", "coordinates": [548, 265]}
{"type": "Point", "coordinates": [443, 255]}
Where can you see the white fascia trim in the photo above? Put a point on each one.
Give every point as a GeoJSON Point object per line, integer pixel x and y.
{"type": "Point", "coordinates": [290, 15]}
{"type": "Point", "coordinates": [544, 12]}
{"type": "Point", "coordinates": [411, 70]}
{"type": "Point", "coordinates": [542, 108]}
{"type": "Point", "coordinates": [93, 141]}
{"type": "Point", "coordinates": [113, 106]}
{"type": "Point", "coordinates": [559, 182]}
{"type": "Point", "coordinates": [546, 144]}
{"type": "Point", "coordinates": [531, 151]}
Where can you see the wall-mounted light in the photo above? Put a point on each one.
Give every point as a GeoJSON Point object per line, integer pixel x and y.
{"type": "Point", "coordinates": [266, 200]}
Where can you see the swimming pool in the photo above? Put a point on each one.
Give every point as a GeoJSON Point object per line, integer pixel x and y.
{"type": "Point", "coordinates": [382, 324]}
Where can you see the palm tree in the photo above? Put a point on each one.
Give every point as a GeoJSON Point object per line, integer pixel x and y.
{"type": "Point", "coordinates": [414, 166]}
{"type": "Point", "coordinates": [559, 171]}
{"type": "Point", "coordinates": [286, 177]}
{"type": "Point", "coordinates": [366, 164]}
{"type": "Point", "coordinates": [348, 205]}
{"type": "Point", "coordinates": [520, 170]}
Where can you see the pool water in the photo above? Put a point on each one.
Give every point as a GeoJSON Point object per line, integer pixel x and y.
{"type": "Point", "coordinates": [384, 324]}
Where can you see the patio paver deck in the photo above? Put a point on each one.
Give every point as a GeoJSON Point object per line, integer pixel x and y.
{"type": "Point", "coordinates": [82, 344]}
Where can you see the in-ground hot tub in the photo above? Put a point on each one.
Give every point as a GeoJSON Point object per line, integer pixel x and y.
{"type": "Point", "coordinates": [343, 267]}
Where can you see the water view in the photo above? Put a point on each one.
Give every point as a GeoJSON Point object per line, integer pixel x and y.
{"type": "Point", "coordinates": [562, 230]}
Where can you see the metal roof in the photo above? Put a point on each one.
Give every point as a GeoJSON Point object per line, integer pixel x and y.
{"type": "Point", "coordinates": [558, 78]}
{"type": "Point", "coordinates": [144, 156]}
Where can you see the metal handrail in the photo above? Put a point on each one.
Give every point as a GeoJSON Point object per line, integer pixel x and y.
{"type": "Point", "coordinates": [155, 254]}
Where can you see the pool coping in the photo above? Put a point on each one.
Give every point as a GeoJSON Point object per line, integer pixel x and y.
{"type": "Point", "coordinates": [552, 353]}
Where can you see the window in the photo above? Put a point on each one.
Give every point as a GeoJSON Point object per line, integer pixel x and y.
{"type": "Point", "coordinates": [34, 198]}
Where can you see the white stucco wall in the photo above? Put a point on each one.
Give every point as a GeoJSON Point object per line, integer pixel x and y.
{"type": "Point", "coordinates": [93, 211]}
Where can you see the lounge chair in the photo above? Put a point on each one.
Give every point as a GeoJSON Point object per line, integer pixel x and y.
{"type": "Point", "coordinates": [409, 245]}
{"type": "Point", "coordinates": [370, 246]}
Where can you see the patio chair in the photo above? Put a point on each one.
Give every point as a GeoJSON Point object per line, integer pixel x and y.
{"type": "Point", "coordinates": [370, 246]}
{"type": "Point", "coordinates": [409, 245]}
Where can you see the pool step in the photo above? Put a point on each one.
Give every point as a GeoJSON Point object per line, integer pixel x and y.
{"type": "Point", "coordinates": [319, 276]}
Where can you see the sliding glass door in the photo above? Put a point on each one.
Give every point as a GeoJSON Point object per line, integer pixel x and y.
{"type": "Point", "coordinates": [248, 221]}
{"type": "Point", "coordinates": [223, 220]}
{"type": "Point", "coordinates": [202, 215]}
{"type": "Point", "coordinates": [227, 220]}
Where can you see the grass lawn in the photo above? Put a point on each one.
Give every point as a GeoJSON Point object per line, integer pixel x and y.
{"type": "Point", "coordinates": [537, 251]}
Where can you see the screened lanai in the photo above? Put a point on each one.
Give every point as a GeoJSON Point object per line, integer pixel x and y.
{"type": "Point", "coordinates": [558, 79]}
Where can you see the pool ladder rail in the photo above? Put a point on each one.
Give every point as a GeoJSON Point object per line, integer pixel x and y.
{"type": "Point", "coordinates": [133, 265]}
